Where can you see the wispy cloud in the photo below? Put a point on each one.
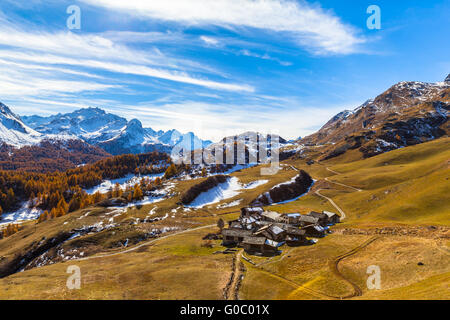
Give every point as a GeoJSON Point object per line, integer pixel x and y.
{"type": "Point", "coordinates": [215, 121]}
{"type": "Point", "coordinates": [98, 52]}
{"type": "Point", "coordinates": [264, 56]}
{"type": "Point", "coordinates": [318, 30]}
{"type": "Point", "coordinates": [209, 40]}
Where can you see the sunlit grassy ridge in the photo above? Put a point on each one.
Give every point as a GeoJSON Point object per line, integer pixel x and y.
{"type": "Point", "coordinates": [406, 187]}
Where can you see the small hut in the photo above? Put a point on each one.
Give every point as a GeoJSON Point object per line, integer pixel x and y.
{"type": "Point", "coordinates": [271, 216]}
{"type": "Point", "coordinates": [233, 237]}
{"type": "Point", "coordinates": [306, 220]}
{"type": "Point", "coordinates": [333, 218]}
{"type": "Point", "coordinates": [323, 218]}
{"type": "Point", "coordinates": [295, 236]}
{"type": "Point", "coordinates": [261, 245]}
{"type": "Point", "coordinates": [314, 231]}
{"type": "Point", "coordinates": [291, 218]}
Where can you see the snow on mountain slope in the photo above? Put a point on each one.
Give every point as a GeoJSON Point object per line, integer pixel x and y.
{"type": "Point", "coordinates": [13, 131]}
{"type": "Point", "coordinates": [256, 146]}
{"type": "Point", "coordinates": [90, 124]}
{"type": "Point", "coordinates": [408, 113]}
{"type": "Point", "coordinates": [114, 134]}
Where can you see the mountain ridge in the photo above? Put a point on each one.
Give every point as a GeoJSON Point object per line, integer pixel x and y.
{"type": "Point", "coordinates": [111, 132]}
{"type": "Point", "coordinates": [408, 113]}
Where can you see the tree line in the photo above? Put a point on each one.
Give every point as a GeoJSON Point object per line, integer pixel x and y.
{"type": "Point", "coordinates": [61, 192]}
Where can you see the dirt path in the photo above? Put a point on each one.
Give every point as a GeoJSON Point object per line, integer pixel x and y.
{"type": "Point", "coordinates": [338, 183]}
{"type": "Point", "coordinates": [144, 244]}
{"type": "Point", "coordinates": [295, 285]}
{"type": "Point", "coordinates": [343, 185]}
{"type": "Point", "coordinates": [332, 171]}
{"type": "Point", "coordinates": [238, 275]}
{"type": "Point", "coordinates": [342, 213]}
{"type": "Point", "coordinates": [334, 266]}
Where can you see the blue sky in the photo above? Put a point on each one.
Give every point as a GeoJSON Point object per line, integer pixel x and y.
{"type": "Point", "coordinates": [217, 67]}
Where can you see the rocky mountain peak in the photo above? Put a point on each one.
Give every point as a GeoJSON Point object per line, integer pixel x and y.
{"type": "Point", "coordinates": [447, 79]}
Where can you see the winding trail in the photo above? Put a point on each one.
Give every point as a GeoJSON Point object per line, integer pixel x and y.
{"type": "Point", "coordinates": [338, 183]}
{"type": "Point", "coordinates": [341, 212]}
{"type": "Point", "coordinates": [334, 266]}
{"type": "Point", "coordinates": [343, 215]}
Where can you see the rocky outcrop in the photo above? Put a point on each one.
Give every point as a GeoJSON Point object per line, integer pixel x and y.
{"type": "Point", "coordinates": [406, 114]}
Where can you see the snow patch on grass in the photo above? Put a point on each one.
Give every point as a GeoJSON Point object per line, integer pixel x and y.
{"type": "Point", "coordinates": [220, 192]}
{"type": "Point", "coordinates": [128, 180]}
{"type": "Point", "coordinates": [25, 213]}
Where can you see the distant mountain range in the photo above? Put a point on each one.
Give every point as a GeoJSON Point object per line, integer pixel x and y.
{"type": "Point", "coordinates": [406, 114]}
{"type": "Point", "coordinates": [114, 134]}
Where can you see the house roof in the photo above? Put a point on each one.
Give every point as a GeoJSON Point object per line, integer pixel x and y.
{"type": "Point", "coordinates": [293, 215]}
{"type": "Point", "coordinates": [271, 215]}
{"type": "Point", "coordinates": [252, 210]}
{"type": "Point", "coordinates": [254, 240]}
{"type": "Point", "coordinates": [319, 228]}
{"type": "Point", "coordinates": [314, 226]}
{"type": "Point", "coordinates": [273, 243]}
{"type": "Point", "coordinates": [330, 214]}
{"type": "Point", "coordinates": [306, 218]}
{"type": "Point", "coordinates": [295, 231]}
{"type": "Point", "coordinates": [248, 220]}
{"type": "Point", "coordinates": [317, 214]}
{"type": "Point", "coordinates": [262, 229]}
{"type": "Point", "coordinates": [236, 232]}
{"type": "Point", "coordinates": [275, 229]}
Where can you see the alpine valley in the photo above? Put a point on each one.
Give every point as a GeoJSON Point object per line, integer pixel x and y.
{"type": "Point", "coordinates": [369, 188]}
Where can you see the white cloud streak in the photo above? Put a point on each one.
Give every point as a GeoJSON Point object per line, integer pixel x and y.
{"type": "Point", "coordinates": [318, 30]}
{"type": "Point", "coordinates": [94, 51]}
{"type": "Point", "coordinates": [215, 121]}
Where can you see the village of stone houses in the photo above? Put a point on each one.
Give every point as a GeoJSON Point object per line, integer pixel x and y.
{"type": "Point", "coordinates": [262, 232]}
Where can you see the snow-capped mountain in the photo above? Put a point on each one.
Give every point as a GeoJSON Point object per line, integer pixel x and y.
{"type": "Point", "coordinates": [112, 133]}
{"type": "Point", "coordinates": [91, 124]}
{"type": "Point", "coordinates": [257, 146]}
{"type": "Point", "coordinates": [407, 113]}
{"type": "Point", "coordinates": [13, 131]}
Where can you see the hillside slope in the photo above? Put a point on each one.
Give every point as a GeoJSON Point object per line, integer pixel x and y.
{"type": "Point", "coordinates": [410, 185]}
{"type": "Point", "coordinates": [406, 114]}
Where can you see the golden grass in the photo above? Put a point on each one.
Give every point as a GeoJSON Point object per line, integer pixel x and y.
{"type": "Point", "coordinates": [408, 186]}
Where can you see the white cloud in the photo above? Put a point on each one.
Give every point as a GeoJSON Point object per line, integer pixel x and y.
{"type": "Point", "coordinates": [215, 121]}
{"type": "Point", "coordinates": [318, 30]}
{"type": "Point", "coordinates": [209, 40]}
{"type": "Point", "coordinates": [94, 51]}
{"type": "Point", "coordinates": [265, 56]}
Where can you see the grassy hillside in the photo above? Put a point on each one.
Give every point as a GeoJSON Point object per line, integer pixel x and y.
{"type": "Point", "coordinates": [409, 185]}
{"type": "Point", "coordinates": [406, 190]}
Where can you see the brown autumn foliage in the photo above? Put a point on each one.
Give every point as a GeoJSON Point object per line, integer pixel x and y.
{"type": "Point", "coordinates": [61, 192]}
{"type": "Point", "coordinates": [49, 156]}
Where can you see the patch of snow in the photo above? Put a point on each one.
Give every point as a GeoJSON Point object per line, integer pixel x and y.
{"type": "Point", "coordinates": [128, 180]}
{"type": "Point", "coordinates": [25, 213]}
{"type": "Point", "coordinates": [220, 192]}
{"type": "Point", "coordinates": [255, 184]}
{"type": "Point", "coordinates": [230, 204]}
